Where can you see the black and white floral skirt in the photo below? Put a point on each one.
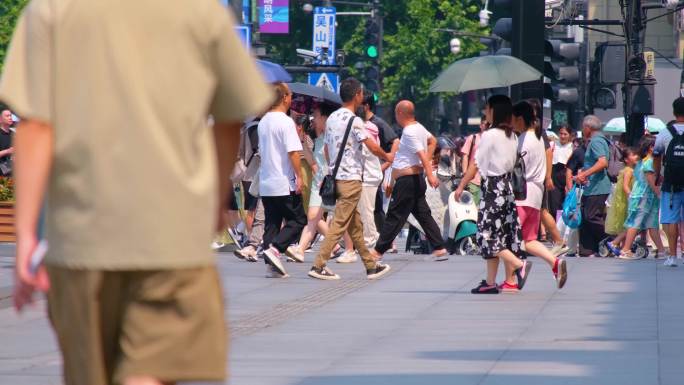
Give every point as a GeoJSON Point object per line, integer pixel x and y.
{"type": "Point", "coordinates": [497, 219]}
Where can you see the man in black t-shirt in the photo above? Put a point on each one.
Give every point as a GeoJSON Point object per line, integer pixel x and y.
{"type": "Point", "coordinates": [574, 165]}
{"type": "Point", "coordinates": [389, 142]}
{"type": "Point", "coordinates": [6, 149]}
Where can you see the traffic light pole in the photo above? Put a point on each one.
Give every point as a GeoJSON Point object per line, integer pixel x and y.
{"type": "Point", "coordinates": [528, 26]}
{"type": "Point", "coordinates": [583, 104]}
{"type": "Point", "coordinates": [634, 35]}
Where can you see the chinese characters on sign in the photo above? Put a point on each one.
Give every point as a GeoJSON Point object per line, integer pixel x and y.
{"type": "Point", "coordinates": [324, 46]}
{"type": "Point", "coordinates": [324, 34]}
{"type": "Point", "coordinates": [274, 16]}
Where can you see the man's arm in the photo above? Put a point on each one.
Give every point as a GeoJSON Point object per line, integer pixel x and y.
{"type": "Point", "coordinates": [431, 146]}
{"type": "Point", "coordinates": [34, 142]}
{"type": "Point", "coordinates": [600, 164]}
{"type": "Point", "coordinates": [657, 167]}
{"type": "Point", "coordinates": [295, 157]}
{"type": "Point", "coordinates": [375, 149]}
{"type": "Point", "coordinates": [427, 167]}
{"type": "Point", "coordinates": [7, 151]}
{"type": "Point", "coordinates": [393, 152]}
{"type": "Point", "coordinates": [226, 138]}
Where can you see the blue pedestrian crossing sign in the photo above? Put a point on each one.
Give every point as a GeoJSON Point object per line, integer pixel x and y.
{"type": "Point", "coordinates": [325, 80]}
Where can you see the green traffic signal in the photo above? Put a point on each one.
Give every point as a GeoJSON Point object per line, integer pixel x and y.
{"type": "Point", "coordinates": [376, 98]}
{"type": "Point", "coordinates": [372, 51]}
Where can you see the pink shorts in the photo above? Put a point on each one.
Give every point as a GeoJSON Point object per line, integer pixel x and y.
{"type": "Point", "coordinates": [530, 219]}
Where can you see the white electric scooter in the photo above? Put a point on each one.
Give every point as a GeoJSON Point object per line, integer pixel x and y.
{"type": "Point", "coordinates": [462, 225]}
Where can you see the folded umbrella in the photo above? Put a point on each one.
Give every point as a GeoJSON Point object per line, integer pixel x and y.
{"type": "Point", "coordinates": [484, 72]}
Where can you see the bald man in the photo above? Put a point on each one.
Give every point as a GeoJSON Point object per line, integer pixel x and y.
{"type": "Point", "coordinates": [411, 167]}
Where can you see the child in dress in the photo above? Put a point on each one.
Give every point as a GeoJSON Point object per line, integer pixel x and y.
{"type": "Point", "coordinates": [617, 211]}
{"type": "Point", "coordinates": [644, 202]}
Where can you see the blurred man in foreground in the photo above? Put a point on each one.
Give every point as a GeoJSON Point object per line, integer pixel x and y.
{"type": "Point", "coordinates": [146, 306]}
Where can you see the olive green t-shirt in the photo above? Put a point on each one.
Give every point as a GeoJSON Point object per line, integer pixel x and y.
{"type": "Point", "coordinates": [128, 86]}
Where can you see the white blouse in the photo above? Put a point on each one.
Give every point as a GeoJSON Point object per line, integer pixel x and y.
{"type": "Point", "coordinates": [496, 153]}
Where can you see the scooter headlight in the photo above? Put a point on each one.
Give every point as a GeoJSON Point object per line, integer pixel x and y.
{"type": "Point", "coordinates": [466, 198]}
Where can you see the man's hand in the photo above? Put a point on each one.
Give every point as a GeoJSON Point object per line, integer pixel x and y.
{"type": "Point", "coordinates": [549, 184]}
{"type": "Point", "coordinates": [432, 180]}
{"type": "Point", "coordinates": [298, 185]}
{"type": "Point", "coordinates": [458, 192]}
{"type": "Point", "coordinates": [25, 282]}
{"type": "Point", "coordinates": [389, 157]}
{"type": "Point", "coordinates": [581, 178]}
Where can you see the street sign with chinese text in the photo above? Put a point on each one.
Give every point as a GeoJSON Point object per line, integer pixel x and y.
{"type": "Point", "coordinates": [324, 19]}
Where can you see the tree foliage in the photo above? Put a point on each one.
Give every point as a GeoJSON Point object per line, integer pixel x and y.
{"type": "Point", "coordinates": [416, 49]}
{"type": "Point", "coordinates": [9, 13]}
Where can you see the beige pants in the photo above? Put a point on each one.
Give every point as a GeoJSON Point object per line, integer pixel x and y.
{"type": "Point", "coordinates": [366, 209]}
{"type": "Point", "coordinates": [346, 218]}
{"type": "Point", "coordinates": [112, 325]}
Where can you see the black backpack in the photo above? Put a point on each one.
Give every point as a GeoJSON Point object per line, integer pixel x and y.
{"type": "Point", "coordinates": [674, 160]}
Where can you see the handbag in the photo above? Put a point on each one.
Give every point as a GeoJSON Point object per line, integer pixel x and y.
{"type": "Point", "coordinates": [572, 215]}
{"type": "Point", "coordinates": [518, 177]}
{"type": "Point", "coordinates": [328, 191]}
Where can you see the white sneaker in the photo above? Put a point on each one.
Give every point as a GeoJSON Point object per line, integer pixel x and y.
{"type": "Point", "coordinates": [273, 258]}
{"type": "Point", "coordinates": [217, 245]}
{"type": "Point", "coordinates": [670, 262]}
{"type": "Point", "coordinates": [558, 250]}
{"type": "Point", "coordinates": [349, 256]}
{"type": "Point", "coordinates": [293, 255]}
{"type": "Point", "coordinates": [247, 253]}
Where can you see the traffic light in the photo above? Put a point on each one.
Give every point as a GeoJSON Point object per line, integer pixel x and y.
{"type": "Point", "coordinates": [562, 79]}
{"type": "Point", "coordinates": [372, 38]}
{"type": "Point", "coordinates": [607, 70]}
{"type": "Point", "coordinates": [561, 68]}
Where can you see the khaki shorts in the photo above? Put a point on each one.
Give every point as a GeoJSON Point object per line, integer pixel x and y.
{"type": "Point", "coordinates": [167, 324]}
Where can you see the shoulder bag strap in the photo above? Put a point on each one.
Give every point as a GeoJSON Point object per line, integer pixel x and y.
{"type": "Point", "coordinates": [340, 152]}
{"type": "Point", "coordinates": [521, 140]}
{"type": "Point", "coordinates": [471, 156]}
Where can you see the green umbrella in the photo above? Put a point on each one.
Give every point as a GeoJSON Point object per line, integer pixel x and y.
{"type": "Point", "coordinates": [484, 72]}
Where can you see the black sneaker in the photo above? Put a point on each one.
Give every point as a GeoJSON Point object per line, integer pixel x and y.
{"type": "Point", "coordinates": [378, 271]}
{"type": "Point", "coordinates": [522, 273]}
{"type": "Point", "coordinates": [323, 273]}
{"type": "Point", "coordinates": [485, 288]}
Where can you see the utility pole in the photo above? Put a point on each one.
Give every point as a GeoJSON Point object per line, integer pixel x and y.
{"type": "Point", "coordinates": [637, 90]}
{"type": "Point", "coordinates": [528, 44]}
{"type": "Point", "coordinates": [583, 38]}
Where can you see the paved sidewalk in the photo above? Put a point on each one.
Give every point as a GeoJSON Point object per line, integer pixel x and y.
{"type": "Point", "coordinates": [616, 322]}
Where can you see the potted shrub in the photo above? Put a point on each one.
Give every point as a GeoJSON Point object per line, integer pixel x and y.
{"type": "Point", "coordinates": [7, 232]}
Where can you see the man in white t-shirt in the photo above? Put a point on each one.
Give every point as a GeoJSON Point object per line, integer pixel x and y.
{"type": "Point", "coordinates": [348, 181]}
{"type": "Point", "coordinates": [412, 165]}
{"type": "Point", "coordinates": [280, 181]}
{"type": "Point", "coordinates": [371, 179]}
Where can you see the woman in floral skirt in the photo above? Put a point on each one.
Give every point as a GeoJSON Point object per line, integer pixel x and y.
{"type": "Point", "coordinates": [499, 232]}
